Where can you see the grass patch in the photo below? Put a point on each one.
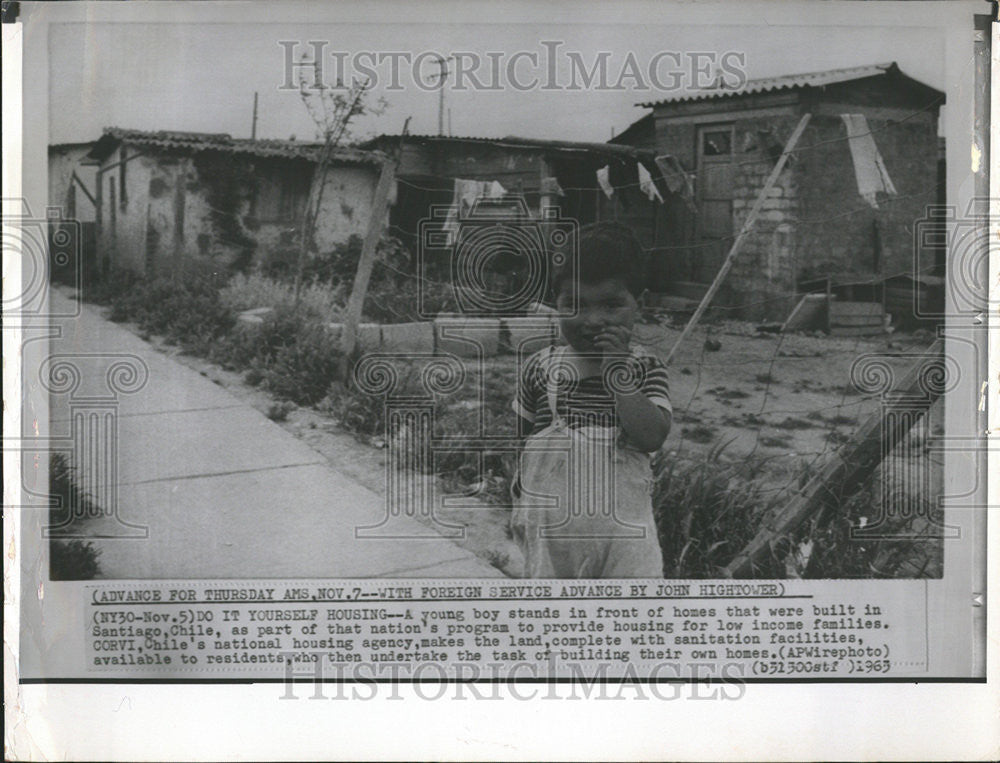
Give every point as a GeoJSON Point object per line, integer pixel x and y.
{"type": "Point", "coordinates": [729, 394]}
{"type": "Point", "coordinates": [776, 442]}
{"type": "Point", "coordinates": [69, 559]}
{"type": "Point", "coordinates": [793, 423]}
{"type": "Point", "coordinates": [316, 300]}
{"type": "Point", "coordinates": [705, 513]}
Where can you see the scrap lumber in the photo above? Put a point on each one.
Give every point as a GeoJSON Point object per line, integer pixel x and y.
{"type": "Point", "coordinates": [741, 237]}
{"type": "Point", "coordinates": [808, 313]}
{"type": "Point", "coordinates": [849, 467]}
{"type": "Point", "coordinates": [856, 318]}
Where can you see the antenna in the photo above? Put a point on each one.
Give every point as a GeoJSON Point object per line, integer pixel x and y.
{"type": "Point", "coordinates": [441, 76]}
{"type": "Point", "coordinates": [253, 125]}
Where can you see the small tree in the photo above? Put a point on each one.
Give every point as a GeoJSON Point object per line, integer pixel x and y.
{"type": "Point", "coordinates": [332, 108]}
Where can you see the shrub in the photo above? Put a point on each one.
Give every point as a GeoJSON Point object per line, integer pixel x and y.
{"type": "Point", "coordinates": [246, 292]}
{"type": "Point", "coordinates": [358, 412]}
{"type": "Point", "coordinates": [75, 559]}
{"type": "Point", "coordinates": [188, 313]}
{"type": "Point", "coordinates": [303, 368]}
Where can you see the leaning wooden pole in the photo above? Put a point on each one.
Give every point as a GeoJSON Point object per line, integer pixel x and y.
{"type": "Point", "coordinates": [741, 237]}
{"type": "Point", "coordinates": [850, 466]}
{"type": "Point", "coordinates": [359, 289]}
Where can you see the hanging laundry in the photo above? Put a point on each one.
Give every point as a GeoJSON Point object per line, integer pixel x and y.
{"type": "Point", "coordinates": [677, 180]}
{"type": "Point", "coordinates": [646, 184]}
{"type": "Point", "coordinates": [657, 176]}
{"type": "Point", "coordinates": [466, 193]}
{"type": "Point", "coordinates": [550, 187]}
{"type": "Point", "coordinates": [621, 177]}
{"type": "Point", "coordinates": [869, 169]}
{"type": "Point", "coordinates": [604, 181]}
{"type": "Point", "coordinates": [494, 190]}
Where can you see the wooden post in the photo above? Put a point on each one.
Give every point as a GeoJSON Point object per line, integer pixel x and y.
{"type": "Point", "coordinates": [380, 208]}
{"type": "Point", "coordinates": [741, 237]}
{"type": "Point", "coordinates": [380, 205]}
{"type": "Point", "coordinates": [849, 467]}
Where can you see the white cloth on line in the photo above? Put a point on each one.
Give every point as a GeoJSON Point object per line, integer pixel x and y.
{"type": "Point", "coordinates": [466, 193]}
{"type": "Point", "coordinates": [869, 168]}
{"type": "Point", "coordinates": [550, 187]}
{"type": "Point", "coordinates": [604, 180]}
{"type": "Point", "coordinates": [677, 180]}
{"type": "Point", "coordinates": [647, 185]}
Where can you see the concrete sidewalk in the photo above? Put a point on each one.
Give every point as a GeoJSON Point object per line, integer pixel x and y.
{"type": "Point", "coordinates": [225, 492]}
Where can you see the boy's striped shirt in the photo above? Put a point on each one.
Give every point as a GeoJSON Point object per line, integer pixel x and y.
{"type": "Point", "coordinates": [582, 402]}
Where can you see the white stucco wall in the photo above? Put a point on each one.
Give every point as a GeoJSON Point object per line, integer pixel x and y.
{"type": "Point", "coordinates": [63, 161]}
{"type": "Point", "coordinates": [145, 237]}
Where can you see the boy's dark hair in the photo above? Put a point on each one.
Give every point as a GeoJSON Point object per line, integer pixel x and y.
{"type": "Point", "coordinates": [607, 250]}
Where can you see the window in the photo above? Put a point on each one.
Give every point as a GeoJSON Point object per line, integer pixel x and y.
{"type": "Point", "coordinates": [717, 143]}
{"type": "Point", "coordinates": [281, 195]}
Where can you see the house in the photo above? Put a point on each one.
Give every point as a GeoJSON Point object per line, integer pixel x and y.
{"type": "Point", "coordinates": [171, 200]}
{"type": "Point", "coordinates": [815, 228]}
{"type": "Point", "coordinates": [542, 173]}
{"type": "Point", "coordinates": [72, 191]}
{"type": "Point", "coordinates": [73, 181]}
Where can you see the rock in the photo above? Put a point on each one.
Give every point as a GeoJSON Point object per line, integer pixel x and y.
{"type": "Point", "coordinates": [713, 345]}
{"type": "Point", "coordinates": [527, 335]}
{"type": "Point", "coordinates": [369, 335]}
{"type": "Point", "coordinates": [467, 337]}
{"type": "Point", "coordinates": [415, 337]}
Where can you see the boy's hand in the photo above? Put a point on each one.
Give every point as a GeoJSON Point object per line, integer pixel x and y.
{"type": "Point", "coordinates": [613, 343]}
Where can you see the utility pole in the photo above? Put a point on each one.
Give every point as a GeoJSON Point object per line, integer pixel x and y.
{"type": "Point", "coordinates": [442, 75]}
{"type": "Point", "coordinates": [253, 126]}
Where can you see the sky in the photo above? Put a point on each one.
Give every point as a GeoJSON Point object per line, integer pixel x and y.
{"type": "Point", "coordinates": [202, 77]}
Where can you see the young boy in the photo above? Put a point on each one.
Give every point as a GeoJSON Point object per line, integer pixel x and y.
{"type": "Point", "coordinates": [591, 413]}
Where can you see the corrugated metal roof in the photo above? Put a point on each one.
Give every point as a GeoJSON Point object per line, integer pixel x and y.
{"type": "Point", "coordinates": [786, 82]}
{"type": "Point", "coordinates": [513, 141]}
{"type": "Point", "coordinates": [200, 141]}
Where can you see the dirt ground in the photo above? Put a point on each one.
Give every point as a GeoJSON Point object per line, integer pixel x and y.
{"type": "Point", "coordinates": [779, 401]}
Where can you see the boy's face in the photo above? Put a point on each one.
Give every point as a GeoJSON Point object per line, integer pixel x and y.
{"type": "Point", "coordinates": [599, 305]}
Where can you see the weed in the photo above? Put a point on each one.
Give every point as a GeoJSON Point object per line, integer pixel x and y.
{"type": "Point", "coordinates": [317, 300]}
{"type": "Point", "coordinates": [776, 442]}
{"type": "Point", "coordinates": [699, 434]}
{"type": "Point", "coordinates": [837, 438]}
{"type": "Point", "coordinates": [74, 559]}
{"type": "Point", "coordinates": [705, 513]}
{"type": "Point", "coordinates": [793, 423]}
{"type": "Point", "coordinates": [907, 545]}
{"type": "Point", "coordinates": [729, 394]}
{"type": "Point", "coordinates": [280, 411]}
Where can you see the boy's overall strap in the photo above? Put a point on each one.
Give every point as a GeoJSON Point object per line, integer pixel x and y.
{"type": "Point", "coordinates": [550, 386]}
